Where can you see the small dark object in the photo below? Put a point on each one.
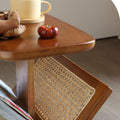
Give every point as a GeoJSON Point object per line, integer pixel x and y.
{"type": "Point", "coordinates": [4, 15]}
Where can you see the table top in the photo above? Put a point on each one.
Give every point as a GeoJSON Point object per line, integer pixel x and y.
{"type": "Point", "coordinates": [30, 46]}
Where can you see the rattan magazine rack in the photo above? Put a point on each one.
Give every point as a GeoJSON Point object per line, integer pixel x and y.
{"type": "Point", "coordinates": [61, 94]}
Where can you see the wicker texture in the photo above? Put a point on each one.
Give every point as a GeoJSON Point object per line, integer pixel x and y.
{"type": "Point", "coordinates": [59, 94]}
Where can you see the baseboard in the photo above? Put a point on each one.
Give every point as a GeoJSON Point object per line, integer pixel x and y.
{"type": "Point", "coordinates": [112, 37]}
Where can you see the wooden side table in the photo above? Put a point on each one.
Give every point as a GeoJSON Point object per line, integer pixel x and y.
{"type": "Point", "coordinates": [25, 49]}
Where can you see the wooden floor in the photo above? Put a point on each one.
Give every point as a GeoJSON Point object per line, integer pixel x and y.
{"type": "Point", "coordinates": [103, 62]}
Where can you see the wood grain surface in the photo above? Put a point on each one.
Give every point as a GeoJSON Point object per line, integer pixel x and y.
{"type": "Point", "coordinates": [29, 45]}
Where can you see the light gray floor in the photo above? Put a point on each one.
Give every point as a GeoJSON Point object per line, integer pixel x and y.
{"type": "Point", "coordinates": [103, 62]}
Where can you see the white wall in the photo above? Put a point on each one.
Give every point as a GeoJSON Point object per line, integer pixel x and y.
{"type": "Point", "coordinates": [4, 4]}
{"type": "Point", "coordinates": [97, 17]}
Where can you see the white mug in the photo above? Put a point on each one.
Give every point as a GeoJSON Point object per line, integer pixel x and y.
{"type": "Point", "coordinates": [29, 9]}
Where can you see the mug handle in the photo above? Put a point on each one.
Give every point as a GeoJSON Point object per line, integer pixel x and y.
{"type": "Point", "coordinates": [49, 7]}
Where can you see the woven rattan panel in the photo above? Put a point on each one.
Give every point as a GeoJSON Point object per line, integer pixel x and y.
{"type": "Point", "coordinates": [59, 94]}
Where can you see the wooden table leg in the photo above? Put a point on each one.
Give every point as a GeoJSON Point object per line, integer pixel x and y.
{"type": "Point", "coordinates": [25, 84]}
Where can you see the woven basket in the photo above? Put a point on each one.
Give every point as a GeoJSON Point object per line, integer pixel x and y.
{"type": "Point", "coordinates": [59, 94]}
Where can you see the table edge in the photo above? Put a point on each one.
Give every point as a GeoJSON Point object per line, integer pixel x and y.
{"type": "Point", "coordinates": [13, 56]}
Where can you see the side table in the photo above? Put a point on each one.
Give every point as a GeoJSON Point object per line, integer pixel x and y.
{"type": "Point", "coordinates": [25, 49]}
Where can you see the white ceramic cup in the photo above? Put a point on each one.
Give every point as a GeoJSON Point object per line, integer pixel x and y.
{"type": "Point", "coordinates": [29, 9]}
